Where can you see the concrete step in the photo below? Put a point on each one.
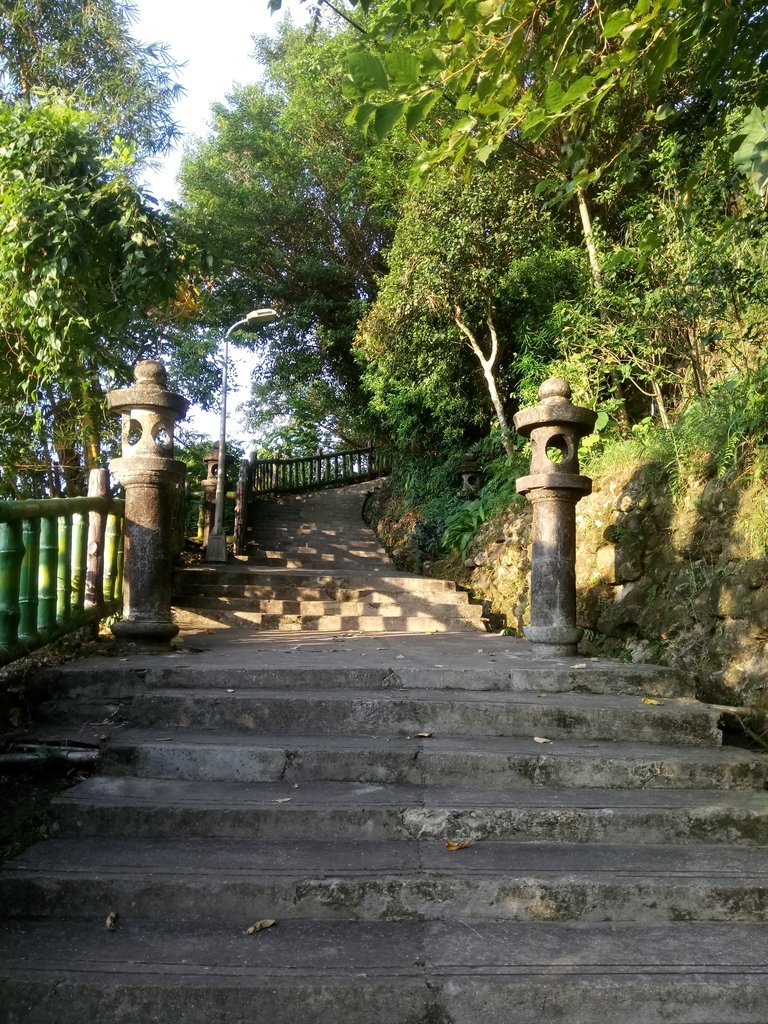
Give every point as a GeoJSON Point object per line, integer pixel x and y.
{"type": "Point", "coordinates": [235, 574]}
{"type": "Point", "coordinates": [373, 621]}
{"type": "Point", "coordinates": [384, 973]}
{"type": "Point", "coordinates": [493, 762]}
{"type": "Point", "coordinates": [448, 713]}
{"type": "Point", "coordinates": [384, 605]}
{"type": "Point", "coordinates": [256, 597]}
{"type": "Point", "coordinates": [197, 882]}
{"type": "Point", "coordinates": [331, 662]}
{"type": "Point", "coordinates": [162, 808]}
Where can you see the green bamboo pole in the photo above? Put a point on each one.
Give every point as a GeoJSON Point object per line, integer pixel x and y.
{"type": "Point", "coordinates": [78, 561]}
{"type": "Point", "coordinates": [112, 544]}
{"type": "Point", "coordinates": [49, 554]}
{"type": "Point", "coordinates": [64, 571]}
{"type": "Point", "coordinates": [30, 572]}
{"type": "Point", "coordinates": [11, 556]}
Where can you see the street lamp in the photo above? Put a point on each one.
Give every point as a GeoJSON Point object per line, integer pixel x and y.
{"type": "Point", "coordinates": [216, 551]}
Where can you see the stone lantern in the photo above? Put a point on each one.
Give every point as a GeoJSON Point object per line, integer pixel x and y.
{"type": "Point", "coordinates": [149, 474]}
{"type": "Point", "coordinates": [471, 477]}
{"type": "Point", "coordinates": [554, 486]}
{"type": "Point", "coordinates": [211, 460]}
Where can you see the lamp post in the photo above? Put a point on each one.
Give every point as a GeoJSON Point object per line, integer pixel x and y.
{"type": "Point", "coordinates": [216, 550]}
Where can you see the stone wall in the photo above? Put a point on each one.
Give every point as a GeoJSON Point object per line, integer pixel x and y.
{"type": "Point", "coordinates": [674, 582]}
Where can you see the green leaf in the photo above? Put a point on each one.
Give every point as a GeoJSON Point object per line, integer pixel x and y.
{"type": "Point", "coordinates": [361, 115]}
{"type": "Point", "coordinates": [751, 157]}
{"type": "Point", "coordinates": [368, 73]}
{"type": "Point", "coordinates": [418, 110]}
{"type": "Point", "coordinates": [660, 59]}
{"type": "Point", "coordinates": [617, 21]}
{"type": "Point", "coordinates": [386, 117]}
{"type": "Point", "coordinates": [553, 97]}
{"type": "Point", "coordinates": [579, 89]}
{"type": "Point", "coordinates": [403, 68]}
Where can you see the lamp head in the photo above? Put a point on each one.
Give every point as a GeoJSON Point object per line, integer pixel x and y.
{"type": "Point", "coordinates": [257, 317]}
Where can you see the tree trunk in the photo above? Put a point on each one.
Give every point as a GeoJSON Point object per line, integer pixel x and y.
{"type": "Point", "coordinates": [487, 364]}
{"type": "Point", "coordinates": [597, 276]}
{"type": "Point", "coordinates": [589, 238]}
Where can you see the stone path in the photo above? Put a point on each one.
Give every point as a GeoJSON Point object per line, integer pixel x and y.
{"type": "Point", "coordinates": [444, 829]}
{"type": "Point", "coordinates": [315, 565]}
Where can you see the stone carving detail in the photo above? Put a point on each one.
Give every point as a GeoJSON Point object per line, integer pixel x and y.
{"type": "Point", "coordinates": [554, 486]}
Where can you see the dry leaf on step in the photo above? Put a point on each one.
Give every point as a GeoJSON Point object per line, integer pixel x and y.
{"type": "Point", "coordinates": [541, 739]}
{"type": "Point", "coordinates": [457, 844]}
{"type": "Point", "coordinates": [423, 735]}
{"type": "Point", "coordinates": [650, 700]}
{"type": "Point", "coordinates": [260, 926]}
{"type": "Point", "coordinates": [112, 919]}
{"type": "Point", "coordinates": [283, 800]}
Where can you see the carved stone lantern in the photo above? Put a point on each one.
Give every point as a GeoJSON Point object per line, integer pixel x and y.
{"type": "Point", "coordinates": [211, 460]}
{"type": "Point", "coordinates": [554, 486]}
{"type": "Point", "coordinates": [149, 473]}
{"type": "Point", "coordinates": [470, 476]}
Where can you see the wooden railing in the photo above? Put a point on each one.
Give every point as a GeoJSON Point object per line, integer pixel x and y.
{"type": "Point", "coordinates": [312, 472]}
{"type": "Point", "coordinates": [60, 568]}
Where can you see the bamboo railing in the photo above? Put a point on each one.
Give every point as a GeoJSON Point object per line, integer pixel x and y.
{"type": "Point", "coordinates": [60, 568]}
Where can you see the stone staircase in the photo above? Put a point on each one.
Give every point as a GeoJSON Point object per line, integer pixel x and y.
{"type": "Point", "coordinates": [444, 829]}
{"type": "Point", "coordinates": [314, 565]}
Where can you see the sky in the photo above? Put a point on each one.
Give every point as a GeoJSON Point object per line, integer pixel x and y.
{"type": "Point", "coordinates": [212, 39]}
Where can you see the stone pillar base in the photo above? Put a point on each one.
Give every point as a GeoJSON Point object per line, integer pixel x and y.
{"type": "Point", "coordinates": [148, 632]}
{"type": "Point", "coordinates": [554, 641]}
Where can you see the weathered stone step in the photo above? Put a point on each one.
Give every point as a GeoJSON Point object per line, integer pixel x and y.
{"type": "Point", "coordinates": [495, 762]}
{"type": "Point", "coordinates": [384, 973]}
{"type": "Point", "coordinates": [312, 560]}
{"type": "Point", "coordinates": [439, 620]}
{"type": "Point", "coordinates": [198, 881]}
{"type": "Point", "coordinates": [343, 603]}
{"type": "Point", "coordinates": [444, 713]}
{"type": "Point", "coordinates": [162, 808]}
{"type": "Point", "coordinates": [309, 663]}
{"type": "Point", "coordinates": [385, 605]}
{"type": "Point", "coordinates": [234, 576]}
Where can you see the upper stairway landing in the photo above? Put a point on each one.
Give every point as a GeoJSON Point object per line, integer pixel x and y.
{"type": "Point", "coordinates": [313, 564]}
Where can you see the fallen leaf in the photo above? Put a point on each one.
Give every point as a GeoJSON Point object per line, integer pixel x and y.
{"type": "Point", "coordinates": [230, 691]}
{"type": "Point", "coordinates": [112, 919]}
{"type": "Point", "coordinates": [260, 926]}
{"type": "Point", "coordinates": [283, 800]}
{"type": "Point", "coordinates": [541, 739]}
{"type": "Point", "coordinates": [423, 735]}
{"type": "Point", "coordinates": [399, 656]}
{"type": "Point", "coordinates": [650, 700]}
{"type": "Point", "coordinates": [457, 844]}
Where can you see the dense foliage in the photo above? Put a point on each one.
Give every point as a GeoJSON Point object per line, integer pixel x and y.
{"type": "Point", "coordinates": [90, 276]}
{"type": "Point", "coordinates": [295, 209]}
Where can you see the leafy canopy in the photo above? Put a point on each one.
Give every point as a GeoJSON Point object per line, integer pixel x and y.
{"type": "Point", "coordinates": [88, 52]}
